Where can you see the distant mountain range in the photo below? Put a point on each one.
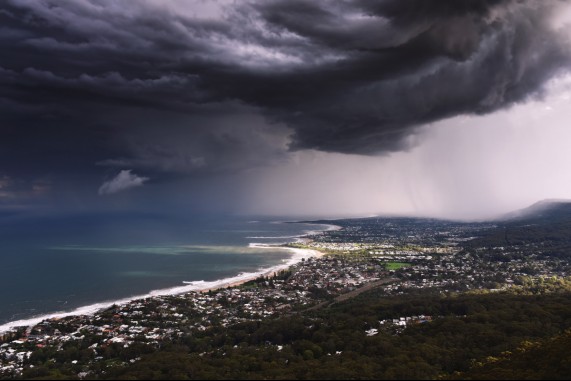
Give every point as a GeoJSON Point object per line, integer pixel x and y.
{"type": "Point", "coordinates": [546, 223]}
{"type": "Point", "coordinates": [541, 209]}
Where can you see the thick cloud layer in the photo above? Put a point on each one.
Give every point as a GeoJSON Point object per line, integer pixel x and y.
{"type": "Point", "coordinates": [209, 87]}
{"type": "Point", "coordinates": [406, 63]}
{"type": "Point", "coordinates": [346, 76]}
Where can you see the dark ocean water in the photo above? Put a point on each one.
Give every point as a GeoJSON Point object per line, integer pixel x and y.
{"type": "Point", "coordinates": [60, 264]}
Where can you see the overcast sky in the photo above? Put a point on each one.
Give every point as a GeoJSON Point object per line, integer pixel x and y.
{"type": "Point", "coordinates": [300, 107]}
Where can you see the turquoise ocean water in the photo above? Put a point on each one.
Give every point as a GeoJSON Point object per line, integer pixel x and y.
{"type": "Point", "coordinates": [61, 264]}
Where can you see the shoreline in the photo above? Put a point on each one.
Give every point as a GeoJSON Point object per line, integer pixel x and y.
{"type": "Point", "coordinates": [270, 272]}
{"type": "Point", "coordinates": [193, 286]}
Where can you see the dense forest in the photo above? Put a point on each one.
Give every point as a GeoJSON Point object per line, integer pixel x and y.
{"type": "Point", "coordinates": [548, 359]}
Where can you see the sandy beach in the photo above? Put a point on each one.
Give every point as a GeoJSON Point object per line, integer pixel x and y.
{"type": "Point", "coordinates": [299, 254]}
{"type": "Point", "coordinates": [196, 286]}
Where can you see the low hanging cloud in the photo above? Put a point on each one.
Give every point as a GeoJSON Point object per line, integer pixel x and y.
{"type": "Point", "coordinates": [123, 181]}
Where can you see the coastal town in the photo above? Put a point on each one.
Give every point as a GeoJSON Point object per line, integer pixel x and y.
{"type": "Point", "coordinates": [362, 256]}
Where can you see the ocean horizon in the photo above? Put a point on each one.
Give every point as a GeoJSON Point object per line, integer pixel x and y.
{"type": "Point", "coordinates": [80, 264]}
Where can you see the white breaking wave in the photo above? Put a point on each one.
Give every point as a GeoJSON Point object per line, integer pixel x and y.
{"type": "Point", "coordinates": [305, 233]}
{"type": "Point", "coordinates": [277, 237]}
{"type": "Point", "coordinates": [200, 285]}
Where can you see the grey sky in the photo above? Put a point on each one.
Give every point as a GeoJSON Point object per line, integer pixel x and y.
{"type": "Point", "coordinates": [464, 167]}
{"type": "Point", "coordinates": [300, 107]}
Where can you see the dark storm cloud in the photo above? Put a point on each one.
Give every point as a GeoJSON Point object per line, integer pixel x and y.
{"type": "Point", "coordinates": [143, 85]}
{"type": "Point", "coordinates": [406, 63]}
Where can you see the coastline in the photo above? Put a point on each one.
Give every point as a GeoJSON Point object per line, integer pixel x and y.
{"type": "Point", "coordinates": [298, 255]}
